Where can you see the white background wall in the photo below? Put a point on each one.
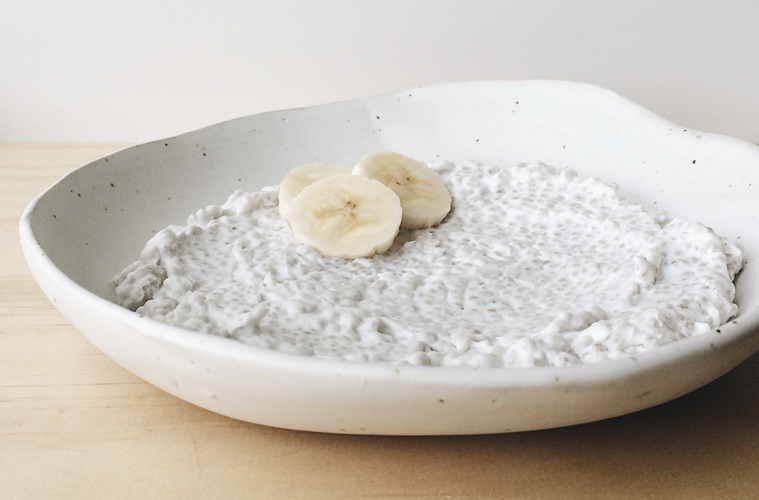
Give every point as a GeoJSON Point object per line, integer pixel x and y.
{"type": "Point", "coordinates": [136, 70]}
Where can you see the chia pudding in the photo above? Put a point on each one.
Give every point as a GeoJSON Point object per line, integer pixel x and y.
{"type": "Point", "coordinates": [531, 267]}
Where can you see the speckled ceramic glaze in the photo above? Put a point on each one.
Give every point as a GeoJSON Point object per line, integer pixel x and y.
{"type": "Point", "coordinates": [94, 222]}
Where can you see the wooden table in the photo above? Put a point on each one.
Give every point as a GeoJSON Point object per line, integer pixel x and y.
{"type": "Point", "coordinates": [73, 424]}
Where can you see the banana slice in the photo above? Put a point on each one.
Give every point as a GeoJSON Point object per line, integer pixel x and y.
{"type": "Point", "coordinates": [347, 216]}
{"type": "Point", "coordinates": [424, 198]}
{"type": "Point", "coordinates": [302, 176]}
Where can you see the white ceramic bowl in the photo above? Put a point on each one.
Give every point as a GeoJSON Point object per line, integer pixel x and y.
{"type": "Point", "coordinates": [95, 220]}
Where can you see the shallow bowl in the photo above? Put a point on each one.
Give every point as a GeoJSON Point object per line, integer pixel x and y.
{"type": "Point", "coordinates": [95, 220]}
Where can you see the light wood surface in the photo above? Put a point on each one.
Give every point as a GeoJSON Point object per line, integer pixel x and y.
{"type": "Point", "coordinates": [73, 424]}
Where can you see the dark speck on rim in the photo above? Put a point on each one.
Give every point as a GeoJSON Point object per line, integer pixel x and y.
{"type": "Point", "coordinates": [378, 118]}
{"type": "Point", "coordinates": [694, 162]}
{"type": "Point", "coordinates": [112, 185]}
{"type": "Point", "coordinates": [441, 400]}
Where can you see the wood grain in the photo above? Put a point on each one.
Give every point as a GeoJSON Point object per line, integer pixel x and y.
{"type": "Point", "coordinates": [73, 424]}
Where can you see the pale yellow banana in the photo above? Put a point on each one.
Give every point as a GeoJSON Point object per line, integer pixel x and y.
{"type": "Point", "coordinates": [300, 177]}
{"type": "Point", "coordinates": [346, 216]}
{"type": "Point", "coordinates": [424, 198]}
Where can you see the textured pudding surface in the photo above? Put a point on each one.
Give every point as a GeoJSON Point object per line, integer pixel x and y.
{"type": "Point", "coordinates": [531, 267]}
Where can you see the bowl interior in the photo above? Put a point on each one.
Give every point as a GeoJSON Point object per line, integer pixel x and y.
{"type": "Point", "coordinates": [96, 220]}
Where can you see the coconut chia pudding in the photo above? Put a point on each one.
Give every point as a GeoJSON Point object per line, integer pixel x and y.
{"type": "Point", "coordinates": [531, 267]}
